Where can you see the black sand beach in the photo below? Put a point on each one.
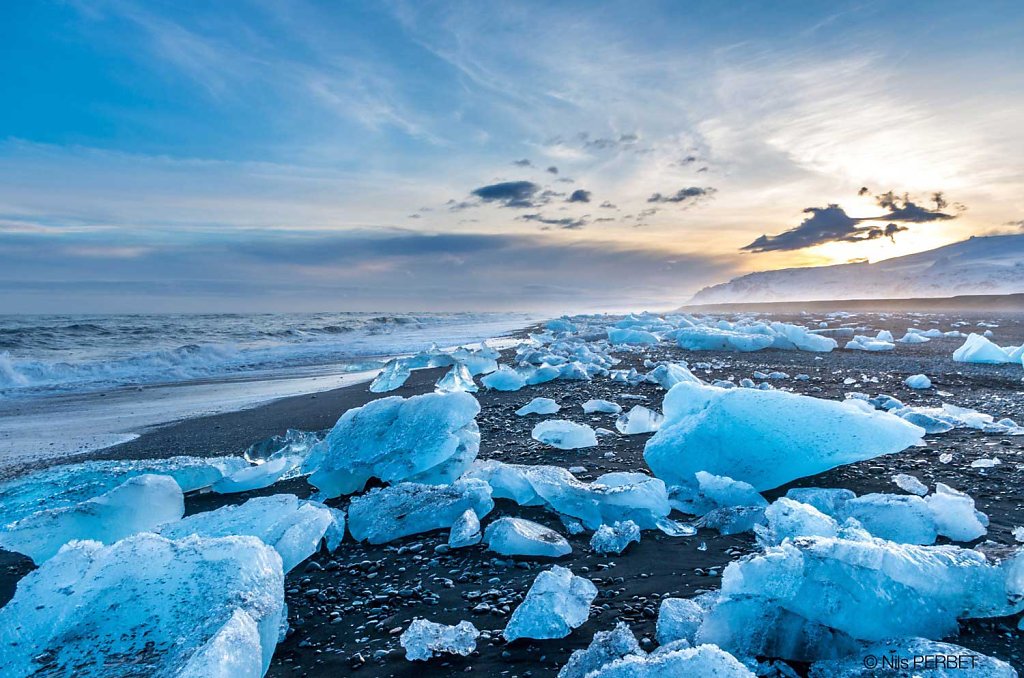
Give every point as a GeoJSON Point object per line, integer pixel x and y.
{"type": "Point", "coordinates": [347, 609]}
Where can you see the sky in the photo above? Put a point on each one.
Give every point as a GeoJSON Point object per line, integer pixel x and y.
{"type": "Point", "coordinates": [293, 155]}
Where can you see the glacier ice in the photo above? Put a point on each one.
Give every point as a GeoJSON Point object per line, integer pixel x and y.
{"type": "Point", "coordinates": [520, 537]}
{"type": "Point", "coordinates": [602, 406]}
{"type": "Point", "coordinates": [187, 607]}
{"type": "Point", "coordinates": [465, 530]}
{"type": "Point", "coordinates": [631, 336]}
{"type": "Point", "coordinates": [978, 349]}
{"type": "Point", "coordinates": [918, 381]}
{"type": "Point", "coordinates": [911, 484]}
{"type": "Point", "coordinates": [504, 379]}
{"type": "Point", "coordinates": [424, 639]}
{"type": "Point", "coordinates": [638, 420]}
{"type": "Point", "coordinates": [678, 619]}
{"type": "Point", "coordinates": [786, 519]}
{"type": "Point", "coordinates": [713, 339]}
{"type": "Point", "coordinates": [538, 406]}
{"type": "Point", "coordinates": [828, 500]}
{"type": "Point", "coordinates": [812, 597]}
{"type": "Point", "coordinates": [922, 658]}
{"type": "Point", "coordinates": [862, 343]}
{"type": "Point", "coordinates": [395, 373]}
{"type": "Point", "coordinates": [429, 438]}
{"type": "Point", "coordinates": [564, 434]}
{"type": "Point", "coordinates": [387, 513]}
{"type": "Point", "coordinates": [606, 647]}
{"type": "Point", "coordinates": [766, 438]}
{"type": "Point", "coordinates": [704, 660]}
{"type": "Point", "coordinates": [558, 601]}
{"type": "Point", "coordinates": [138, 505]}
{"type": "Point", "coordinates": [713, 492]}
{"type": "Point", "coordinates": [901, 518]}
{"type": "Point", "coordinates": [670, 374]}
{"type": "Point", "coordinates": [457, 380]}
{"type": "Point", "coordinates": [954, 514]}
{"type": "Point", "coordinates": [615, 538]}
{"type": "Point", "coordinates": [294, 527]}
{"type": "Point", "coordinates": [259, 476]}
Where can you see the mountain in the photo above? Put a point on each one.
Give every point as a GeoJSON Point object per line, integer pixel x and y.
{"type": "Point", "coordinates": [979, 265]}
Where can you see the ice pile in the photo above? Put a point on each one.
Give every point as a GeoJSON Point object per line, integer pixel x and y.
{"type": "Point", "coordinates": [424, 639]}
{"type": "Point", "coordinates": [713, 492]}
{"type": "Point", "coordinates": [519, 537]}
{"type": "Point", "coordinates": [139, 505]}
{"type": "Point", "coordinates": [147, 606]}
{"type": "Point", "coordinates": [946, 417]}
{"type": "Point", "coordinates": [615, 538]}
{"type": "Point", "coordinates": [430, 438]}
{"type": "Point", "coordinates": [564, 434]}
{"type": "Point", "coordinates": [557, 602]}
{"type": "Point", "coordinates": [295, 528]}
{"type": "Point", "coordinates": [611, 497]}
{"type": "Point", "coordinates": [638, 420]}
{"type": "Point", "coordinates": [538, 406]}
{"type": "Point", "coordinates": [979, 349]}
{"type": "Point", "coordinates": [812, 598]}
{"type": "Point", "coordinates": [385, 514]}
{"type": "Point", "coordinates": [766, 438]}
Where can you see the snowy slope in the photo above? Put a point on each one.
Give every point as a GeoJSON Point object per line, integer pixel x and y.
{"type": "Point", "coordinates": [979, 265]}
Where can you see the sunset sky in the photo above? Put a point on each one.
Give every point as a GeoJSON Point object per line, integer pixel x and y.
{"type": "Point", "coordinates": [299, 155]}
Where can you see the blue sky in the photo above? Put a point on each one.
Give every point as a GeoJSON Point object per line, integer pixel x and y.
{"type": "Point", "coordinates": [278, 155]}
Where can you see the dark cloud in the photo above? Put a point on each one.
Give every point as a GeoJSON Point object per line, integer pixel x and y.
{"type": "Point", "coordinates": [568, 223]}
{"type": "Point", "coordinates": [525, 162]}
{"type": "Point", "coordinates": [688, 194]}
{"type": "Point", "coordinates": [552, 170]}
{"type": "Point", "coordinates": [508, 193]}
{"type": "Point", "coordinates": [901, 208]}
{"type": "Point", "coordinates": [826, 224]}
{"type": "Point", "coordinates": [580, 195]}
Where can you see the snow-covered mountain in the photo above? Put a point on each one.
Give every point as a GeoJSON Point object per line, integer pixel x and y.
{"type": "Point", "coordinates": [979, 265]}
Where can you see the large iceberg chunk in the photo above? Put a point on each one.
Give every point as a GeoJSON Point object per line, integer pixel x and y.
{"type": "Point", "coordinates": [713, 492]}
{"type": "Point", "coordinates": [712, 339]}
{"type": "Point", "coordinates": [385, 514]}
{"type": "Point", "coordinates": [564, 434]}
{"type": "Point", "coordinates": [954, 514]}
{"type": "Point", "coordinates": [766, 438]}
{"type": "Point", "coordinates": [139, 505]}
{"type": "Point", "coordinates": [147, 606]}
{"type": "Point", "coordinates": [424, 639]}
{"type": "Point", "coordinates": [519, 537]}
{"type": "Point", "coordinates": [557, 602]}
{"type": "Point", "coordinates": [978, 349]}
{"type": "Point", "coordinates": [294, 527]}
{"type": "Point", "coordinates": [430, 438]}
{"type": "Point", "coordinates": [901, 518]}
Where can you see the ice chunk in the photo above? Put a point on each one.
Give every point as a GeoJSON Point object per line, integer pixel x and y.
{"type": "Point", "coordinates": [828, 500]}
{"type": "Point", "coordinates": [732, 519]}
{"type": "Point", "coordinates": [912, 338]}
{"type": "Point", "coordinates": [465, 531]}
{"type": "Point", "coordinates": [385, 514]}
{"type": "Point", "coordinates": [519, 537]}
{"type": "Point", "coordinates": [424, 639]}
{"type": "Point", "coordinates": [543, 374]}
{"type": "Point", "coordinates": [259, 476]}
{"type": "Point", "coordinates": [504, 379]}
{"type": "Point", "coordinates": [794, 336]}
{"type": "Point", "coordinates": [615, 538]}
{"type": "Point", "coordinates": [930, 423]}
{"type": "Point", "coordinates": [670, 374]}
{"type": "Point", "coordinates": [787, 519]}
{"type": "Point", "coordinates": [678, 619]}
{"type": "Point", "coordinates": [713, 492]}
{"type": "Point", "coordinates": [766, 438]}
{"type": "Point", "coordinates": [885, 335]}
{"type": "Point", "coordinates": [147, 606]}
{"type": "Point", "coordinates": [430, 438]}
{"type": "Point", "coordinates": [538, 406]}
{"type": "Point", "coordinates": [292, 443]}
{"type": "Point", "coordinates": [862, 343]}
{"type": "Point", "coordinates": [812, 597]}
{"type": "Point", "coordinates": [395, 373]}
{"type": "Point", "coordinates": [705, 660]}
{"type": "Point", "coordinates": [606, 647]}
{"type": "Point", "coordinates": [139, 505]}
{"type": "Point", "coordinates": [628, 336]}
{"type": "Point", "coordinates": [71, 484]}
{"type": "Point", "coordinates": [557, 602]}
{"type": "Point", "coordinates": [910, 484]}
{"type": "Point", "coordinates": [457, 380]}
{"type": "Point", "coordinates": [897, 517]}
{"type": "Point", "coordinates": [294, 527]}
{"type": "Point", "coordinates": [711, 339]}
{"type": "Point", "coordinates": [918, 381]}
{"type": "Point", "coordinates": [922, 657]}
{"type": "Point", "coordinates": [954, 514]}
{"type": "Point", "coordinates": [978, 349]}
{"type": "Point", "coordinates": [603, 406]}
{"type": "Point", "coordinates": [564, 434]}
{"type": "Point", "coordinates": [639, 420]}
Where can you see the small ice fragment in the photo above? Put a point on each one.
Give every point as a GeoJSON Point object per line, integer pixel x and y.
{"type": "Point", "coordinates": [538, 406]}
{"type": "Point", "coordinates": [424, 639]}
{"type": "Point", "coordinates": [457, 379]}
{"type": "Point", "coordinates": [954, 514]}
{"type": "Point", "coordinates": [564, 434]}
{"type": "Point", "coordinates": [615, 538]}
{"type": "Point", "coordinates": [918, 381]}
{"type": "Point", "coordinates": [639, 420]}
{"type": "Point", "coordinates": [986, 463]}
{"type": "Point", "coordinates": [465, 531]}
{"type": "Point", "coordinates": [945, 457]}
{"type": "Point", "coordinates": [603, 406]}
{"type": "Point", "coordinates": [519, 537]}
{"type": "Point", "coordinates": [557, 602]}
{"type": "Point", "coordinates": [394, 375]}
{"type": "Point", "coordinates": [910, 484]}
{"type": "Point", "coordinates": [1018, 534]}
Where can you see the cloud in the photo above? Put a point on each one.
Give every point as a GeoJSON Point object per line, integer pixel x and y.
{"type": "Point", "coordinates": [580, 195]}
{"type": "Point", "coordinates": [901, 208]}
{"type": "Point", "coordinates": [525, 162]}
{"type": "Point", "coordinates": [826, 224]}
{"type": "Point", "coordinates": [569, 223]}
{"type": "Point", "coordinates": [508, 193]}
{"type": "Point", "coordinates": [552, 170]}
{"type": "Point", "coordinates": [689, 194]}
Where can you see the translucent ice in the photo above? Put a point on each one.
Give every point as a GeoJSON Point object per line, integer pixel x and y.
{"type": "Point", "coordinates": [766, 438]}
{"type": "Point", "coordinates": [978, 349]}
{"type": "Point", "coordinates": [954, 514]}
{"type": "Point", "coordinates": [910, 484]}
{"type": "Point", "coordinates": [538, 406]}
{"type": "Point", "coordinates": [918, 381]}
{"type": "Point", "coordinates": [615, 538]}
{"type": "Point", "coordinates": [504, 379]}
{"type": "Point", "coordinates": [564, 434]}
{"type": "Point", "coordinates": [465, 531]}
{"type": "Point", "coordinates": [638, 420]}
{"type": "Point", "coordinates": [385, 514]}
{"type": "Point", "coordinates": [603, 406]}
{"type": "Point", "coordinates": [557, 602]}
{"type": "Point", "coordinates": [147, 606]}
{"type": "Point", "coordinates": [294, 527]}
{"type": "Point", "coordinates": [138, 505]}
{"type": "Point", "coordinates": [430, 438]}
{"type": "Point", "coordinates": [712, 492]}
{"type": "Point", "coordinates": [828, 500]}
{"type": "Point", "coordinates": [519, 537]}
{"type": "Point", "coordinates": [424, 639]}
{"type": "Point", "coordinates": [786, 519]}
{"type": "Point", "coordinates": [897, 517]}
{"type": "Point", "coordinates": [457, 380]}
{"type": "Point", "coordinates": [678, 619]}
{"type": "Point", "coordinates": [606, 647]}
{"type": "Point", "coordinates": [259, 476]}
{"type": "Point", "coordinates": [705, 660]}
{"type": "Point", "coordinates": [395, 373]}
{"type": "Point", "coordinates": [670, 374]}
